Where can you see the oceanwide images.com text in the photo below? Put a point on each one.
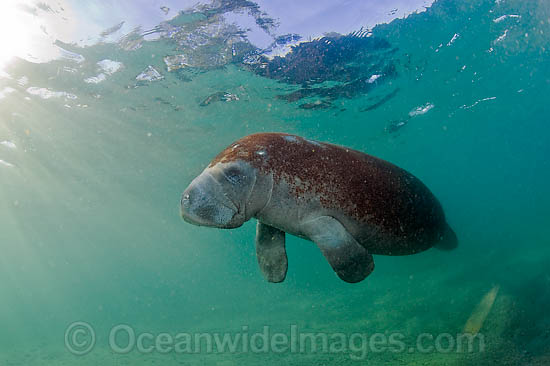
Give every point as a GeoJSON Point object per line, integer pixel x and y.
{"type": "Point", "coordinates": [80, 339]}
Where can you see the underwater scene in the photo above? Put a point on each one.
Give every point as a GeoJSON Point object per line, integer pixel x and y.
{"type": "Point", "coordinates": [119, 248]}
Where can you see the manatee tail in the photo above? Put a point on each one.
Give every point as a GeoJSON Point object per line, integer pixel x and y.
{"type": "Point", "coordinates": [448, 241]}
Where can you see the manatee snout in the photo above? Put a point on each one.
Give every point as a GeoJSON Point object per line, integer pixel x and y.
{"type": "Point", "coordinates": [205, 203]}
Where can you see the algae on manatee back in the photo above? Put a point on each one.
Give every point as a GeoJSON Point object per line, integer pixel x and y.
{"type": "Point", "coordinates": [475, 322]}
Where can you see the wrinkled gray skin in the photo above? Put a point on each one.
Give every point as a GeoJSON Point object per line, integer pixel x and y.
{"type": "Point", "coordinates": [229, 194]}
{"type": "Point", "coordinates": [225, 196]}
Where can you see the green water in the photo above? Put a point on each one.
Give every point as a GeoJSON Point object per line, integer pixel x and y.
{"type": "Point", "coordinates": [89, 200]}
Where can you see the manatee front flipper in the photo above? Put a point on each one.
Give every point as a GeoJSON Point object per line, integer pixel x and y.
{"type": "Point", "coordinates": [271, 253]}
{"type": "Point", "coordinates": [348, 258]}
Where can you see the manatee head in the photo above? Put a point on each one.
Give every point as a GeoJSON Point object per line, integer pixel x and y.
{"type": "Point", "coordinates": [218, 196]}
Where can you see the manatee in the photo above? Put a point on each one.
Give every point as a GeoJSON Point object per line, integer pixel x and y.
{"type": "Point", "coordinates": [350, 204]}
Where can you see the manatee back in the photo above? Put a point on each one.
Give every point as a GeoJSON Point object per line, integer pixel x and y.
{"type": "Point", "coordinates": [386, 208]}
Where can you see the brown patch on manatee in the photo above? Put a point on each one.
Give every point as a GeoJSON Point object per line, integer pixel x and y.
{"type": "Point", "coordinates": [366, 188]}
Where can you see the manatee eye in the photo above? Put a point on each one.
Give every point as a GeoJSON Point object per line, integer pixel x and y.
{"type": "Point", "coordinates": [234, 176]}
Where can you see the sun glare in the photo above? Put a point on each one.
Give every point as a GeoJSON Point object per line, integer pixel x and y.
{"type": "Point", "coordinates": [14, 37]}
